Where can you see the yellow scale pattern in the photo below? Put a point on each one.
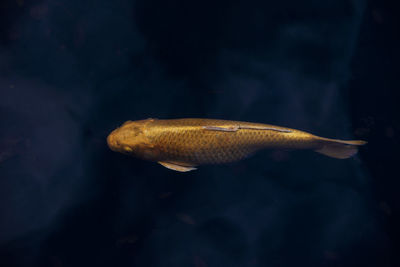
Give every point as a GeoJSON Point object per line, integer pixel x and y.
{"type": "Point", "coordinates": [187, 140]}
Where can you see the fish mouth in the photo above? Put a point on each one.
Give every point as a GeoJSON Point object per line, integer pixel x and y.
{"type": "Point", "coordinates": [114, 143]}
{"type": "Point", "coordinates": [111, 142]}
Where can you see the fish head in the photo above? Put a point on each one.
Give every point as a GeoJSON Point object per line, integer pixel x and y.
{"type": "Point", "coordinates": [131, 139]}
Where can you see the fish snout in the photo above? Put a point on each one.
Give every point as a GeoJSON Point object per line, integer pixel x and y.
{"type": "Point", "coordinates": [112, 142]}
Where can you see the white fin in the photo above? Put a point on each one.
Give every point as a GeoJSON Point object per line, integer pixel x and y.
{"type": "Point", "coordinates": [222, 128]}
{"type": "Point", "coordinates": [176, 167]}
{"type": "Point", "coordinates": [340, 149]}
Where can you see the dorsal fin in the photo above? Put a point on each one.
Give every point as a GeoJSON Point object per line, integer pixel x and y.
{"type": "Point", "coordinates": [234, 128]}
{"type": "Point", "coordinates": [256, 127]}
{"type": "Point", "coordinates": [224, 128]}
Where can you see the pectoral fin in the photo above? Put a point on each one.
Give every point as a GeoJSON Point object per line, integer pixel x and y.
{"type": "Point", "coordinates": [176, 167]}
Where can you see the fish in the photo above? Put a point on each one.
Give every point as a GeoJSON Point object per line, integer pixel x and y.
{"type": "Point", "coordinates": [184, 144]}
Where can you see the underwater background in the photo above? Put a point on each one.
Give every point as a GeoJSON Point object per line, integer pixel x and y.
{"type": "Point", "coordinates": [72, 71]}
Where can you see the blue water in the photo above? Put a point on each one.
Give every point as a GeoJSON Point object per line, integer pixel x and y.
{"type": "Point", "coordinates": [72, 71]}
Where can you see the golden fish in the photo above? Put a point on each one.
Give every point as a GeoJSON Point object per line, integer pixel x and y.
{"type": "Point", "coordinates": [182, 144]}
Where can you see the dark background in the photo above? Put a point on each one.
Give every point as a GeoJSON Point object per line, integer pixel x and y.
{"type": "Point", "coordinates": [72, 71]}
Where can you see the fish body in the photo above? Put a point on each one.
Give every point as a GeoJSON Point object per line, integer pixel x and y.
{"type": "Point", "coordinates": [182, 144]}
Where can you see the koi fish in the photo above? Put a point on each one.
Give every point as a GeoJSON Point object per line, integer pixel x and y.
{"type": "Point", "coordinates": [183, 144]}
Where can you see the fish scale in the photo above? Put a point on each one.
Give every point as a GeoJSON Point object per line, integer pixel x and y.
{"type": "Point", "coordinates": [200, 146]}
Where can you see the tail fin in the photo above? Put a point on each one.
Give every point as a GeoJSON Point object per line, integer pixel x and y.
{"type": "Point", "coordinates": [339, 149]}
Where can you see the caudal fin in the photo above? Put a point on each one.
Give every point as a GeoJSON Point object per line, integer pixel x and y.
{"type": "Point", "coordinates": [339, 149]}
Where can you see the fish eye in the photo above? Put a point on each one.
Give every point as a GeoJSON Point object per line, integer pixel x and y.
{"type": "Point", "coordinates": [135, 130]}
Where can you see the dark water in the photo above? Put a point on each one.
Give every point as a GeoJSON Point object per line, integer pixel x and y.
{"type": "Point", "coordinates": [71, 71]}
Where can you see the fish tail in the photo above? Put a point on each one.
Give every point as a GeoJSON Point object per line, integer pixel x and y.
{"type": "Point", "coordinates": [339, 149]}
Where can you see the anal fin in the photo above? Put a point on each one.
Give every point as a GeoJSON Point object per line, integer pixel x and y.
{"type": "Point", "coordinates": [176, 167]}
